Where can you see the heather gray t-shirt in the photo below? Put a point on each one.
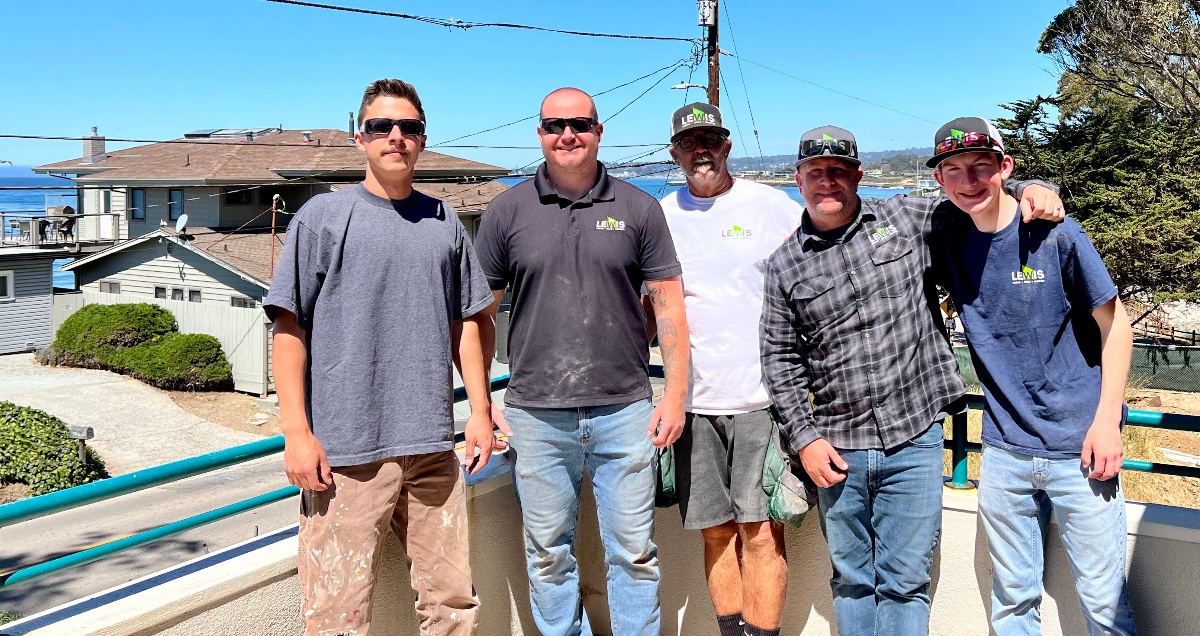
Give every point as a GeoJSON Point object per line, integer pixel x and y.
{"type": "Point", "coordinates": [377, 283]}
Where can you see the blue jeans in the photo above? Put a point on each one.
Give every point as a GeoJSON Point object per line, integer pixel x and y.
{"type": "Point", "coordinates": [882, 523]}
{"type": "Point", "coordinates": [1016, 495]}
{"type": "Point", "coordinates": [554, 447]}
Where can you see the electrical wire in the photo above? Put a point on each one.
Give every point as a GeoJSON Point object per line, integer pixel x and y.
{"type": "Point", "coordinates": [745, 89]}
{"type": "Point", "coordinates": [460, 24]}
{"type": "Point", "coordinates": [733, 111]}
{"type": "Point", "coordinates": [832, 90]}
{"type": "Point", "coordinates": [643, 93]}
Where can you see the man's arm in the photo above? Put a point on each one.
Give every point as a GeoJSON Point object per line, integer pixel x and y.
{"type": "Point", "coordinates": [474, 337]}
{"type": "Point", "coordinates": [489, 352]}
{"type": "Point", "coordinates": [1102, 448]}
{"type": "Point", "coordinates": [304, 459]}
{"type": "Point", "coordinates": [785, 368]}
{"type": "Point", "coordinates": [651, 324]}
{"type": "Point", "coordinates": [666, 298]}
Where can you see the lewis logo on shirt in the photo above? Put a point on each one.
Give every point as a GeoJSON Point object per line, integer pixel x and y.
{"type": "Point", "coordinates": [1028, 275]}
{"type": "Point", "coordinates": [736, 233]}
{"type": "Point", "coordinates": [880, 233]}
{"type": "Point", "coordinates": [610, 223]}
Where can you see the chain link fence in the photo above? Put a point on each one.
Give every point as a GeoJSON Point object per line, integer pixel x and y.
{"type": "Point", "coordinates": [1154, 366]}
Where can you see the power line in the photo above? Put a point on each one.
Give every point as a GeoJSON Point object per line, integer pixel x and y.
{"type": "Point", "coordinates": [832, 90]}
{"type": "Point", "coordinates": [745, 89]}
{"type": "Point", "coordinates": [535, 116]}
{"type": "Point", "coordinates": [460, 24]}
{"type": "Point", "coordinates": [210, 142]}
{"type": "Point", "coordinates": [643, 93]}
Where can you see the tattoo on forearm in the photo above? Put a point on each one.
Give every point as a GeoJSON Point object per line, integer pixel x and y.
{"type": "Point", "coordinates": [667, 345]}
{"type": "Point", "coordinates": [657, 298]}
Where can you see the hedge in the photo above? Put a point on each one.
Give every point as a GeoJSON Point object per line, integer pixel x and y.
{"type": "Point", "coordinates": [36, 450]}
{"type": "Point", "coordinates": [142, 341]}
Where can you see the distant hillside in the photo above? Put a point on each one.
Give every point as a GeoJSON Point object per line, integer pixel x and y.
{"type": "Point", "coordinates": [786, 163]}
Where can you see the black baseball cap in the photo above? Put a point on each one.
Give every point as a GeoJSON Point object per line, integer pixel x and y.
{"type": "Point", "coordinates": [697, 115]}
{"type": "Point", "coordinates": [960, 129]}
{"type": "Point", "coordinates": [828, 141]}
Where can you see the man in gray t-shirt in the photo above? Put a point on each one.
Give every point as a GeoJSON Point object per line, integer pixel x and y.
{"type": "Point", "coordinates": [377, 293]}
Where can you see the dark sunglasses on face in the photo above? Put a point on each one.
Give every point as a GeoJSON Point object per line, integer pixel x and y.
{"type": "Point", "coordinates": [968, 140]}
{"type": "Point", "coordinates": [710, 141]}
{"type": "Point", "coordinates": [556, 125]}
{"type": "Point", "coordinates": [839, 147]}
{"type": "Point", "coordinates": [384, 125]}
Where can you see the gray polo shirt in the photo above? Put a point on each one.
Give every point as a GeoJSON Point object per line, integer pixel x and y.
{"type": "Point", "coordinates": [578, 331]}
{"type": "Point", "coordinates": [377, 283]}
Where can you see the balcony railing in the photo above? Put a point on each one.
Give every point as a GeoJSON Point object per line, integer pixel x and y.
{"type": "Point", "coordinates": [37, 229]}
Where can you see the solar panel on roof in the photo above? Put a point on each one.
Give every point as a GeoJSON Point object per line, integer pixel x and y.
{"type": "Point", "coordinates": [203, 132]}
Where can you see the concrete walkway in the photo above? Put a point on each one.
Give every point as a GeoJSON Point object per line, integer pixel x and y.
{"type": "Point", "coordinates": [137, 426]}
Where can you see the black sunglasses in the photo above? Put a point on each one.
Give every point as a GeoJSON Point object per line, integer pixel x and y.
{"type": "Point", "coordinates": [384, 125]}
{"type": "Point", "coordinates": [556, 125]}
{"type": "Point", "coordinates": [839, 147]}
{"type": "Point", "coordinates": [710, 141]}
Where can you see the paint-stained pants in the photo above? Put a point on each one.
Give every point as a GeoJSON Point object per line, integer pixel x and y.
{"type": "Point", "coordinates": [423, 497]}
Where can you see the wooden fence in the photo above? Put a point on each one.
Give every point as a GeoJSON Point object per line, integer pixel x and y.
{"type": "Point", "coordinates": [245, 334]}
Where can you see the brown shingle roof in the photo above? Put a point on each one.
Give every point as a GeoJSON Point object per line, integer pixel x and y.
{"type": "Point", "coordinates": [224, 161]}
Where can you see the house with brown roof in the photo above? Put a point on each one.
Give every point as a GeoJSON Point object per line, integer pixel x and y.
{"type": "Point", "coordinates": [201, 221]}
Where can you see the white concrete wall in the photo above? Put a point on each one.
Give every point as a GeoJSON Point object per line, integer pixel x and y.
{"type": "Point", "coordinates": [261, 596]}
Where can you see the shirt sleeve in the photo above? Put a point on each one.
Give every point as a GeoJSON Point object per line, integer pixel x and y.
{"type": "Point", "coordinates": [785, 365]}
{"type": "Point", "coordinates": [474, 290]}
{"type": "Point", "coordinates": [1085, 276]}
{"type": "Point", "coordinates": [656, 250]}
{"type": "Point", "coordinates": [299, 275]}
{"type": "Point", "coordinates": [491, 248]}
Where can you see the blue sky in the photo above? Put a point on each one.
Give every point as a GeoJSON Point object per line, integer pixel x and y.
{"type": "Point", "coordinates": [158, 69]}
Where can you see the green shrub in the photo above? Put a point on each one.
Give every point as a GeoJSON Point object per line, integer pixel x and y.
{"type": "Point", "coordinates": [37, 450]}
{"type": "Point", "coordinates": [177, 361]}
{"type": "Point", "coordinates": [90, 336]}
{"type": "Point", "coordinates": [142, 341]}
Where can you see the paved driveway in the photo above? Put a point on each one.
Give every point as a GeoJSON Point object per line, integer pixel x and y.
{"type": "Point", "coordinates": [137, 426]}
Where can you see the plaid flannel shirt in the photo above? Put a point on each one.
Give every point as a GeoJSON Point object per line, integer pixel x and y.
{"type": "Point", "coordinates": [855, 322]}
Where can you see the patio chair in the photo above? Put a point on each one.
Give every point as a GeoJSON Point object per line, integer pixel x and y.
{"type": "Point", "coordinates": [66, 229]}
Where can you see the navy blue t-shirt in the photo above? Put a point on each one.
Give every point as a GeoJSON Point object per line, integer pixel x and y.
{"type": "Point", "coordinates": [1026, 295]}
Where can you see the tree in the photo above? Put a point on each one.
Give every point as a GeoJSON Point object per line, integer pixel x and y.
{"type": "Point", "coordinates": [1144, 50]}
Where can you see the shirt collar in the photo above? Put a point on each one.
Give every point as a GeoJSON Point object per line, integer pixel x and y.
{"type": "Point", "coordinates": [810, 237]}
{"type": "Point", "coordinates": [604, 190]}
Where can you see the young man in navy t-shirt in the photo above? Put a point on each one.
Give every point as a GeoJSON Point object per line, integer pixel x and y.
{"type": "Point", "coordinates": [1051, 343]}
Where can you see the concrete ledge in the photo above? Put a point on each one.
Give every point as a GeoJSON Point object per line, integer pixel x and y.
{"type": "Point", "coordinates": [252, 589]}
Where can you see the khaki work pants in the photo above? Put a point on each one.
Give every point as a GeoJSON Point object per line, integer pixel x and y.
{"type": "Point", "coordinates": [423, 497]}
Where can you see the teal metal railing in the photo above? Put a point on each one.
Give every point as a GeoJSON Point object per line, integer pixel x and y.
{"type": "Point", "coordinates": [960, 447]}
{"type": "Point", "coordinates": [69, 498]}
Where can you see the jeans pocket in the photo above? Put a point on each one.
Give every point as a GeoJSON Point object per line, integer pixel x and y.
{"type": "Point", "coordinates": [932, 438]}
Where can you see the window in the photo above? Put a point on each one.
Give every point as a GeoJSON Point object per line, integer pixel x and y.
{"type": "Point", "coordinates": [176, 293]}
{"type": "Point", "coordinates": [137, 205]}
{"type": "Point", "coordinates": [193, 295]}
{"type": "Point", "coordinates": [241, 301]}
{"type": "Point", "coordinates": [174, 204]}
{"type": "Point", "coordinates": [239, 197]}
{"type": "Point", "coordinates": [110, 287]}
{"type": "Point", "coordinates": [7, 292]}
{"type": "Point", "coordinates": [160, 292]}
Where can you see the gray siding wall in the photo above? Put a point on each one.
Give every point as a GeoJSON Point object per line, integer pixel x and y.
{"type": "Point", "coordinates": [139, 269]}
{"type": "Point", "coordinates": [26, 320]}
{"type": "Point", "coordinates": [202, 205]}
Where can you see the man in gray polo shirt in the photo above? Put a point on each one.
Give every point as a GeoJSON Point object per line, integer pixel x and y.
{"type": "Point", "coordinates": [576, 245]}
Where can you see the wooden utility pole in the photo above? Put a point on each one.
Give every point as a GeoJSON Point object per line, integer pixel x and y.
{"type": "Point", "coordinates": [708, 18]}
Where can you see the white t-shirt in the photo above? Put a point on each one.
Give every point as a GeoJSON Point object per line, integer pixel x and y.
{"type": "Point", "coordinates": [723, 243]}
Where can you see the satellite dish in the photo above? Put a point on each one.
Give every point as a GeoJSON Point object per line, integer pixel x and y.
{"type": "Point", "coordinates": [181, 224]}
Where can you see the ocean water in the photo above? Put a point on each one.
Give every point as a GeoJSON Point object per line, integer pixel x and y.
{"type": "Point", "coordinates": [33, 203]}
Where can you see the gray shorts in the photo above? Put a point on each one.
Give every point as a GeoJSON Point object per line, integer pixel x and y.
{"type": "Point", "coordinates": [718, 468]}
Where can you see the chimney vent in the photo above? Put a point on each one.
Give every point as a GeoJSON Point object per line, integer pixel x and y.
{"type": "Point", "coordinates": [249, 135]}
{"type": "Point", "coordinates": [93, 147]}
{"type": "Point", "coordinates": [307, 136]}
{"type": "Point", "coordinates": [350, 138]}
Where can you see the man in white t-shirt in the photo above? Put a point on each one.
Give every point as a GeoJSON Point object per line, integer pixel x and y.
{"type": "Point", "coordinates": [724, 229]}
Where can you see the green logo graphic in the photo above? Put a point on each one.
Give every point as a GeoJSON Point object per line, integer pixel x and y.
{"type": "Point", "coordinates": [881, 231]}
{"type": "Point", "coordinates": [611, 222]}
{"type": "Point", "coordinates": [957, 134]}
{"type": "Point", "coordinates": [826, 137]}
{"type": "Point", "coordinates": [1027, 271]}
{"type": "Point", "coordinates": [737, 232]}
{"type": "Point", "coordinates": [698, 114]}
